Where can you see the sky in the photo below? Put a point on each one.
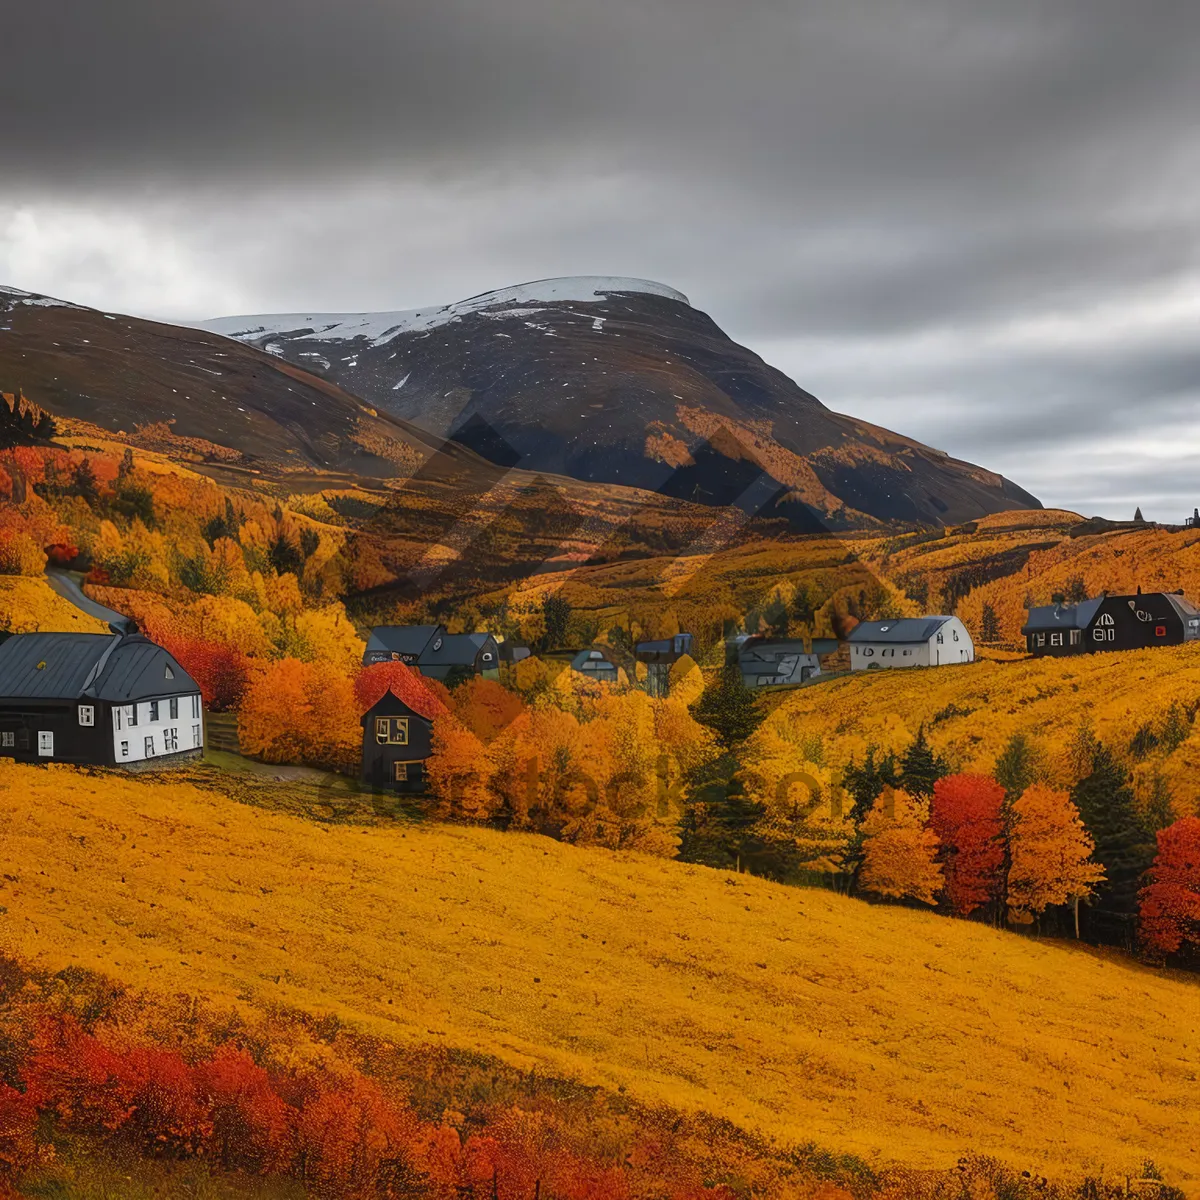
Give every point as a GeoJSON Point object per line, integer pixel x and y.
{"type": "Point", "coordinates": [975, 223]}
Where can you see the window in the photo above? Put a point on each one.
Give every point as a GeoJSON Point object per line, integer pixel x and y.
{"type": "Point", "coordinates": [400, 772]}
{"type": "Point", "coordinates": [170, 740]}
{"type": "Point", "coordinates": [868, 651]}
{"type": "Point", "coordinates": [1041, 639]}
{"type": "Point", "coordinates": [1076, 637]}
{"type": "Point", "coordinates": [118, 714]}
{"type": "Point", "coordinates": [1104, 635]}
{"type": "Point", "coordinates": [124, 749]}
{"type": "Point", "coordinates": [487, 656]}
{"type": "Point", "coordinates": [45, 744]}
{"type": "Point", "coordinates": [131, 716]}
{"type": "Point", "coordinates": [8, 741]}
{"type": "Point", "coordinates": [955, 634]}
{"type": "Point", "coordinates": [87, 714]}
{"type": "Point", "coordinates": [941, 639]}
{"type": "Point", "coordinates": [153, 711]}
{"type": "Point", "coordinates": [150, 747]}
{"type": "Point", "coordinates": [907, 653]}
{"type": "Point", "coordinates": [196, 739]}
{"type": "Point", "coordinates": [1056, 639]}
{"type": "Point", "coordinates": [1160, 631]}
{"type": "Point", "coordinates": [391, 731]}
{"type": "Point", "coordinates": [22, 739]}
{"type": "Point", "coordinates": [174, 704]}
{"type": "Point", "coordinates": [168, 673]}
{"type": "Point", "coordinates": [195, 706]}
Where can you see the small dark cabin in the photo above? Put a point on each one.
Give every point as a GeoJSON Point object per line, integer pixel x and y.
{"type": "Point", "coordinates": [1135, 622]}
{"type": "Point", "coordinates": [93, 699]}
{"type": "Point", "coordinates": [396, 742]}
{"type": "Point", "coordinates": [660, 656]}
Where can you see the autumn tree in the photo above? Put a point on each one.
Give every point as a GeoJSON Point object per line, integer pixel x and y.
{"type": "Point", "coordinates": [1017, 767]}
{"type": "Point", "coordinates": [1050, 852]}
{"type": "Point", "coordinates": [966, 816]}
{"type": "Point", "coordinates": [899, 850]}
{"type": "Point", "coordinates": [1169, 906]}
{"type": "Point", "coordinates": [425, 696]}
{"type": "Point", "coordinates": [1124, 848]}
{"type": "Point", "coordinates": [989, 625]}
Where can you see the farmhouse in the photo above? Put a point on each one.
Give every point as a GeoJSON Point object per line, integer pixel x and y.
{"type": "Point", "coordinates": [777, 662]}
{"type": "Point", "coordinates": [909, 642]}
{"type": "Point", "coordinates": [96, 699]}
{"type": "Point", "coordinates": [434, 652]}
{"type": "Point", "coordinates": [595, 664]}
{"type": "Point", "coordinates": [660, 656]}
{"type": "Point", "coordinates": [1111, 623]}
{"type": "Point", "coordinates": [396, 742]}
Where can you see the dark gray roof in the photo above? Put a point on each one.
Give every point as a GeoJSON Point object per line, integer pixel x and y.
{"type": "Point", "coordinates": [664, 649]}
{"type": "Point", "coordinates": [1184, 607]}
{"type": "Point", "coordinates": [597, 660]}
{"type": "Point", "coordinates": [453, 649]}
{"type": "Point", "coordinates": [401, 639]}
{"type": "Point", "coordinates": [902, 630]}
{"type": "Point", "coordinates": [1062, 616]}
{"type": "Point", "coordinates": [68, 666]}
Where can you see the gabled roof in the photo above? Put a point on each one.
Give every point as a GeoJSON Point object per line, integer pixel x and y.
{"type": "Point", "coordinates": [903, 630]}
{"type": "Point", "coordinates": [453, 649]}
{"type": "Point", "coordinates": [1184, 607]}
{"type": "Point", "coordinates": [664, 649]}
{"type": "Point", "coordinates": [1050, 617]}
{"type": "Point", "coordinates": [70, 666]}
{"type": "Point", "coordinates": [390, 705]}
{"type": "Point", "coordinates": [401, 639]}
{"type": "Point", "coordinates": [592, 660]}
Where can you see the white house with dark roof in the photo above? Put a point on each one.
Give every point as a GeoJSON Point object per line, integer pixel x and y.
{"type": "Point", "coordinates": [96, 699]}
{"type": "Point", "coordinates": [909, 642]}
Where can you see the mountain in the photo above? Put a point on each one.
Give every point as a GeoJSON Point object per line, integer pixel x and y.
{"type": "Point", "coordinates": [623, 381]}
{"type": "Point", "coordinates": [192, 391]}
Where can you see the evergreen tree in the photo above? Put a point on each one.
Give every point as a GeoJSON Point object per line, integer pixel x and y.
{"type": "Point", "coordinates": [865, 783]}
{"type": "Point", "coordinates": [556, 613]}
{"type": "Point", "coordinates": [921, 768]}
{"type": "Point", "coordinates": [728, 708]}
{"type": "Point", "coordinates": [804, 605]}
{"type": "Point", "coordinates": [989, 625]}
{"type": "Point", "coordinates": [1124, 847]}
{"type": "Point", "coordinates": [126, 468]}
{"type": "Point", "coordinates": [718, 818]}
{"type": "Point", "coordinates": [85, 484]}
{"type": "Point", "coordinates": [1016, 768]}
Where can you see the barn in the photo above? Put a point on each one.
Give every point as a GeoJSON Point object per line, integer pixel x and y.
{"type": "Point", "coordinates": [909, 642]}
{"type": "Point", "coordinates": [93, 699]}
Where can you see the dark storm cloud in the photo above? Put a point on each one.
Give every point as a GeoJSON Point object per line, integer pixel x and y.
{"type": "Point", "coordinates": [882, 195]}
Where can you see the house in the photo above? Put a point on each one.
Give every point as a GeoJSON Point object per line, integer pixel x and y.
{"type": "Point", "coordinates": [434, 652]}
{"type": "Point", "coordinates": [595, 664]}
{"type": "Point", "coordinates": [909, 642]}
{"type": "Point", "coordinates": [94, 699]}
{"type": "Point", "coordinates": [660, 656]}
{"type": "Point", "coordinates": [1106, 622]}
{"type": "Point", "coordinates": [777, 662]}
{"type": "Point", "coordinates": [396, 742]}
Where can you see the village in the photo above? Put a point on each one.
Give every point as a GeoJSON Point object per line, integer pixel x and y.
{"type": "Point", "coordinates": [120, 700]}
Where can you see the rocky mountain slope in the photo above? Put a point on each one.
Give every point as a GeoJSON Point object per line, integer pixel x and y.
{"type": "Point", "coordinates": [623, 381]}
{"type": "Point", "coordinates": [192, 391]}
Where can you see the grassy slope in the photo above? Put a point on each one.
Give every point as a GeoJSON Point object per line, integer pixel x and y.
{"type": "Point", "coordinates": [880, 1031]}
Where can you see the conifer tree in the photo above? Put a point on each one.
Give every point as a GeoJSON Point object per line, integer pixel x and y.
{"type": "Point", "coordinates": [1123, 846]}
{"type": "Point", "coordinates": [865, 783]}
{"type": "Point", "coordinates": [728, 708]}
{"type": "Point", "coordinates": [719, 817]}
{"type": "Point", "coordinates": [1017, 767]}
{"type": "Point", "coordinates": [921, 768]}
{"type": "Point", "coordinates": [989, 625]}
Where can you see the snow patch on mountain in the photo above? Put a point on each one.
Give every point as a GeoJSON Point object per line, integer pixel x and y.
{"type": "Point", "coordinates": [380, 327]}
{"type": "Point", "coordinates": [32, 299]}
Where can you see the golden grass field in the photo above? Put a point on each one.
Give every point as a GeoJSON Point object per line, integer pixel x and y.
{"type": "Point", "coordinates": [889, 1033]}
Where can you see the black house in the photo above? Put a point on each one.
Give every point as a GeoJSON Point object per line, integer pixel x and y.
{"type": "Point", "coordinates": [97, 700]}
{"type": "Point", "coordinates": [660, 656]}
{"type": "Point", "coordinates": [1112, 623]}
{"type": "Point", "coordinates": [396, 742]}
{"type": "Point", "coordinates": [434, 652]}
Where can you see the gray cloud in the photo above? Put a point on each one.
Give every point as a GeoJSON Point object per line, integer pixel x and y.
{"type": "Point", "coordinates": [979, 224]}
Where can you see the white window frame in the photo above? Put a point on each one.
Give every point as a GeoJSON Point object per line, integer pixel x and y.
{"type": "Point", "coordinates": [1056, 639]}
{"type": "Point", "coordinates": [154, 714]}
{"type": "Point", "coordinates": [1041, 639]}
{"type": "Point", "coordinates": [124, 749]}
{"type": "Point", "coordinates": [45, 743]}
{"type": "Point", "coordinates": [170, 740]}
{"type": "Point", "coordinates": [8, 739]}
{"type": "Point", "coordinates": [196, 706]}
{"type": "Point", "coordinates": [87, 715]}
{"type": "Point", "coordinates": [148, 746]}
{"type": "Point", "coordinates": [173, 708]}
{"type": "Point", "coordinates": [197, 739]}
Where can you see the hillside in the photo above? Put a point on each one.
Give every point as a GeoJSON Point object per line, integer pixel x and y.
{"type": "Point", "coordinates": [623, 381]}
{"type": "Point", "coordinates": [193, 393]}
{"type": "Point", "coordinates": [803, 1015]}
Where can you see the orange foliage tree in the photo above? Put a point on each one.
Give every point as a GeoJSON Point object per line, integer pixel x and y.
{"type": "Point", "coordinates": [965, 815]}
{"type": "Point", "coordinates": [1169, 906]}
{"type": "Point", "coordinates": [1050, 853]}
{"type": "Point", "coordinates": [899, 850]}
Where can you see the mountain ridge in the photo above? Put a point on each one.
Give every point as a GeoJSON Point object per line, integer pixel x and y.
{"type": "Point", "coordinates": [619, 380]}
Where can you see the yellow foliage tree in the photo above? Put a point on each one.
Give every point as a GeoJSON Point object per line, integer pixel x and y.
{"type": "Point", "coordinates": [899, 850]}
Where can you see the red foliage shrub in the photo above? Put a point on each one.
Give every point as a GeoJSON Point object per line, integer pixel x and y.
{"type": "Point", "coordinates": [62, 553]}
{"type": "Point", "coordinates": [425, 696]}
{"type": "Point", "coordinates": [965, 815]}
{"type": "Point", "coordinates": [252, 1129]}
{"type": "Point", "coordinates": [221, 672]}
{"type": "Point", "coordinates": [1169, 911]}
{"type": "Point", "coordinates": [18, 1124]}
